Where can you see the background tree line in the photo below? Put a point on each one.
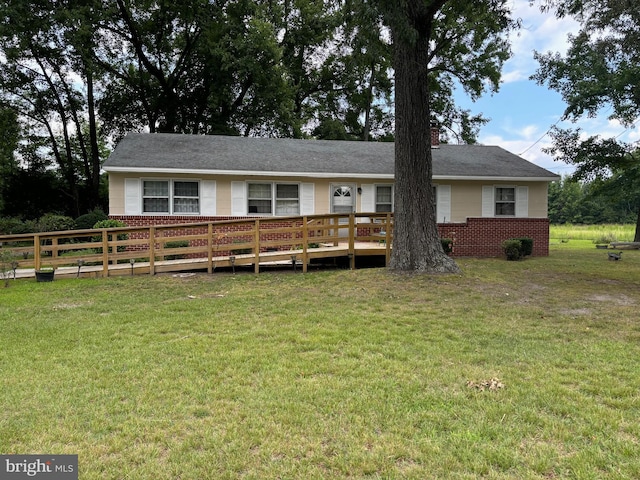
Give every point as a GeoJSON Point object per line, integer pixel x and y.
{"type": "Point", "coordinates": [595, 202]}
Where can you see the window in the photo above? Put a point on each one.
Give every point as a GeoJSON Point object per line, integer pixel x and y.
{"type": "Point", "coordinates": [267, 198]}
{"type": "Point", "coordinates": [287, 200]}
{"type": "Point", "coordinates": [384, 198]}
{"type": "Point", "coordinates": [155, 197]}
{"type": "Point", "coordinates": [166, 196]}
{"type": "Point", "coordinates": [505, 198]}
{"type": "Point", "coordinates": [185, 197]}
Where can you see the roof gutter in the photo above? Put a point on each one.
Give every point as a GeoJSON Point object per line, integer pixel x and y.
{"type": "Point", "coordinates": [373, 176]}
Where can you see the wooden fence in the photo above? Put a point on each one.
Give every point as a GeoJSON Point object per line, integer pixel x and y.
{"type": "Point", "coordinates": [154, 249]}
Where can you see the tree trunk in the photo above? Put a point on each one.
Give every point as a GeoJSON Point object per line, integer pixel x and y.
{"type": "Point", "coordinates": [636, 237]}
{"type": "Point", "coordinates": [416, 242]}
{"type": "Point", "coordinates": [94, 157]}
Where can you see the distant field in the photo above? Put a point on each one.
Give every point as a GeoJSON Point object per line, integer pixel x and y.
{"type": "Point", "coordinates": [594, 233]}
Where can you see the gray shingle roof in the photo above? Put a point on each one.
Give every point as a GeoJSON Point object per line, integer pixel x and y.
{"type": "Point", "coordinates": [215, 153]}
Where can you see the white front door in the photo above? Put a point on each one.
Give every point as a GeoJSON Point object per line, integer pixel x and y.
{"type": "Point", "coordinates": [343, 198]}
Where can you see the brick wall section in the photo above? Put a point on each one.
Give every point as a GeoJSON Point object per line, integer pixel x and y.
{"type": "Point", "coordinates": [481, 237]}
{"type": "Point", "coordinates": [477, 237]}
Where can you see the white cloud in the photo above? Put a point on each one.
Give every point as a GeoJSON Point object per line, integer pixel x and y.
{"type": "Point", "coordinates": [528, 144]}
{"type": "Point", "coordinates": [541, 32]}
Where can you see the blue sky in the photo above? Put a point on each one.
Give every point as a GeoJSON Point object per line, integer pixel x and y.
{"type": "Point", "coordinates": [522, 111]}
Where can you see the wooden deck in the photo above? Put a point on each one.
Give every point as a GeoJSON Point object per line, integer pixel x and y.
{"type": "Point", "coordinates": [258, 243]}
{"type": "Point", "coordinates": [266, 259]}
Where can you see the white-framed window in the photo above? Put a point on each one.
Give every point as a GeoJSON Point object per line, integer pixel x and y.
{"type": "Point", "coordinates": [171, 196]}
{"type": "Point", "coordinates": [505, 201]}
{"type": "Point", "coordinates": [287, 199]}
{"type": "Point", "coordinates": [273, 198]}
{"type": "Point", "coordinates": [259, 195]}
{"type": "Point", "coordinates": [384, 198]}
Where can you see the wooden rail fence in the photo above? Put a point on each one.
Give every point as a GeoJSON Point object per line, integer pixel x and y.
{"type": "Point", "coordinates": [207, 245]}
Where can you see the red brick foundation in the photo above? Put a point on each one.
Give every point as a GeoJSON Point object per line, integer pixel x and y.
{"type": "Point", "coordinates": [481, 237]}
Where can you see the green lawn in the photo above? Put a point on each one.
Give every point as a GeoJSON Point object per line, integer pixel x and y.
{"type": "Point", "coordinates": [604, 233]}
{"type": "Point", "coordinates": [332, 374]}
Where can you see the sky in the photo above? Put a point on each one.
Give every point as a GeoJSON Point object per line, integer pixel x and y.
{"type": "Point", "coordinates": [522, 112]}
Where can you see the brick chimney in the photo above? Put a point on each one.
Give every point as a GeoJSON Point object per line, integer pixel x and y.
{"type": "Point", "coordinates": [435, 136]}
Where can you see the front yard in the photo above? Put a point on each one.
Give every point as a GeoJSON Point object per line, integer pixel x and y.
{"type": "Point", "coordinates": [332, 374]}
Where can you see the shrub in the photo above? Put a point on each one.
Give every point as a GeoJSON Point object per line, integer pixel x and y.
{"type": "Point", "coordinates": [110, 224]}
{"type": "Point", "coordinates": [447, 245]}
{"type": "Point", "coordinates": [11, 225]}
{"type": "Point", "coordinates": [605, 238]}
{"type": "Point", "coordinates": [88, 220]}
{"type": "Point", "coordinates": [512, 248]}
{"type": "Point", "coordinates": [176, 244]}
{"type": "Point", "coordinates": [51, 222]}
{"type": "Point", "coordinates": [527, 246]}
{"type": "Point", "coordinates": [8, 261]}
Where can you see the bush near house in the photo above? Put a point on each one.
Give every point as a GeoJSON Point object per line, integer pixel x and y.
{"type": "Point", "coordinates": [110, 224]}
{"type": "Point", "coordinates": [51, 222]}
{"type": "Point", "coordinates": [517, 248]}
{"type": "Point", "coordinates": [447, 245]}
{"type": "Point", "coordinates": [89, 220]}
{"type": "Point", "coordinates": [512, 249]}
{"type": "Point", "coordinates": [526, 248]}
{"type": "Point", "coordinates": [176, 244]}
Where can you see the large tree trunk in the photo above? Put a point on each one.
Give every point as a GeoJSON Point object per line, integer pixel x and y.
{"type": "Point", "coordinates": [416, 242]}
{"type": "Point", "coordinates": [636, 237]}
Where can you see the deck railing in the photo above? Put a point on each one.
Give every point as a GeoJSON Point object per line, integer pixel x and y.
{"type": "Point", "coordinates": [219, 243]}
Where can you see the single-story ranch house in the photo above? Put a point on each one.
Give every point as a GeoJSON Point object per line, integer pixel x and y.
{"type": "Point", "coordinates": [484, 193]}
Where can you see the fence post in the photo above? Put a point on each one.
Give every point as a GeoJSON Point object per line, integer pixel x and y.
{"type": "Point", "coordinates": [387, 240]}
{"type": "Point", "coordinates": [305, 244]}
{"type": "Point", "coordinates": [105, 253]}
{"type": "Point", "coordinates": [210, 249]}
{"type": "Point", "coordinates": [37, 254]}
{"type": "Point", "coordinates": [256, 242]}
{"type": "Point", "coordinates": [152, 250]}
{"type": "Point", "coordinates": [352, 242]}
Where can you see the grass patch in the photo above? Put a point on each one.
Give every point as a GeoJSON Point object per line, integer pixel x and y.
{"type": "Point", "coordinates": [332, 374]}
{"type": "Point", "coordinates": [605, 233]}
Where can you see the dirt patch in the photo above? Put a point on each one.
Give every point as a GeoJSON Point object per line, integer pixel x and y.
{"type": "Point", "coordinates": [615, 299]}
{"type": "Point", "coordinates": [577, 312]}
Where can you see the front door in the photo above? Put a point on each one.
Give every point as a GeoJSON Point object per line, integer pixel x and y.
{"type": "Point", "coordinates": [343, 200]}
